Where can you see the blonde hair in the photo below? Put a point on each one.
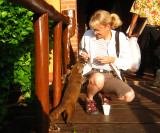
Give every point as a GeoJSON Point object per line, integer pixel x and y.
{"type": "Point", "coordinates": [104, 17]}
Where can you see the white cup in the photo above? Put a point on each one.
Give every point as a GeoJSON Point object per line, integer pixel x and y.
{"type": "Point", "coordinates": [106, 109]}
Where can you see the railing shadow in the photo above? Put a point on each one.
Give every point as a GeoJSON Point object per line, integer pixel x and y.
{"type": "Point", "coordinates": [149, 116]}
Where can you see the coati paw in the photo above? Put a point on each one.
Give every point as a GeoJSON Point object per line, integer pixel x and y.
{"type": "Point", "coordinates": [54, 128]}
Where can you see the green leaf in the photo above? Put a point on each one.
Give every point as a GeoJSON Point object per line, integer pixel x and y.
{"type": "Point", "coordinates": [15, 21]}
{"type": "Point", "coordinates": [18, 30]}
{"type": "Point", "coordinates": [1, 2]}
{"type": "Point", "coordinates": [24, 32]}
{"type": "Point", "coordinates": [29, 28]}
{"type": "Point", "coordinates": [14, 35]}
{"type": "Point", "coordinates": [26, 68]}
{"type": "Point", "coordinates": [20, 73]}
{"type": "Point", "coordinates": [28, 56]}
{"type": "Point", "coordinates": [25, 80]}
{"type": "Point", "coordinates": [24, 88]}
{"type": "Point", "coordinates": [20, 63]}
{"type": "Point", "coordinates": [21, 83]}
{"type": "Point", "coordinates": [27, 95]}
{"type": "Point", "coordinates": [15, 80]}
{"type": "Point", "coordinates": [22, 58]}
{"type": "Point", "coordinates": [4, 14]}
{"type": "Point", "coordinates": [30, 13]}
{"type": "Point", "coordinates": [13, 41]}
{"type": "Point", "coordinates": [22, 9]}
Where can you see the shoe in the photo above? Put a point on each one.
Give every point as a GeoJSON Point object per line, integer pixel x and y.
{"type": "Point", "coordinates": [156, 81]}
{"type": "Point", "coordinates": [104, 99]}
{"type": "Point", "coordinates": [91, 108]}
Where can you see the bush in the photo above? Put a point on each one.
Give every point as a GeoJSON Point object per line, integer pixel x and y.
{"type": "Point", "coordinates": [16, 51]}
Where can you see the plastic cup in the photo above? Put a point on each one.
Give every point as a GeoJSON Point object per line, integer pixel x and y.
{"type": "Point", "coordinates": [106, 109]}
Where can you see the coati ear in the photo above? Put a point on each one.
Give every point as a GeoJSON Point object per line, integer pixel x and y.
{"type": "Point", "coordinates": [63, 78]}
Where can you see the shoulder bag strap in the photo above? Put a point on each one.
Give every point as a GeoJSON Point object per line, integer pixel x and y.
{"type": "Point", "coordinates": [117, 42]}
{"type": "Point", "coordinates": [117, 51]}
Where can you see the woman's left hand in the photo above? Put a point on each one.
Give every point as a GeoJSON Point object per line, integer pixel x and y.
{"type": "Point", "coordinates": [105, 59]}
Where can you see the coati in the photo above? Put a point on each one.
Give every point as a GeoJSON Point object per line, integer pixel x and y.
{"type": "Point", "coordinates": [69, 99]}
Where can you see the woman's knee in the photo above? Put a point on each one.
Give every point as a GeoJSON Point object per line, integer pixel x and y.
{"type": "Point", "coordinates": [98, 80]}
{"type": "Point", "coordinates": [129, 96]}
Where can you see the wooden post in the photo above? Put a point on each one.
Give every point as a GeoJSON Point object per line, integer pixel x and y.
{"type": "Point", "coordinates": [68, 32]}
{"type": "Point", "coordinates": [57, 64]}
{"type": "Point", "coordinates": [42, 72]}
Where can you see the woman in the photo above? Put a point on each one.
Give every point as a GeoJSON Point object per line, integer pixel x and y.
{"type": "Point", "coordinates": [97, 48]}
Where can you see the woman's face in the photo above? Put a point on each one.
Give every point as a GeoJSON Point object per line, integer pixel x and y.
{"type": "Point", "coordinates": [102, 32]}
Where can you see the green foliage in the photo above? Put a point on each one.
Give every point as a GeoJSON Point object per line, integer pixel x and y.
{"type": "Point", "coordinates": [16, 43]}
{"type": "Point", "coordinates": [17, 60]}
{"type": "Point", "coordinates": [16, 51]}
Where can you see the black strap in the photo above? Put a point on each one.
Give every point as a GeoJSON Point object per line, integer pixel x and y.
{"type": "Point", "coordinates": [117, 51]}
{"type": "Point", "coordinates": [117, 42]}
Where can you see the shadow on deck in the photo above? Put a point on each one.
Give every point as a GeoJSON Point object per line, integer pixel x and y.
{"type": "Point", "coordinates": [142, 115]}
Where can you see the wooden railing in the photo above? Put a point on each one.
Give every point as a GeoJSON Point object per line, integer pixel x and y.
{"type": "Point", "coordinates": [43, 11]}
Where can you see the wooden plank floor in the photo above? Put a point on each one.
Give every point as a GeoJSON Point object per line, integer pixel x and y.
{"type": "Point", "coordinates": [142, 115]}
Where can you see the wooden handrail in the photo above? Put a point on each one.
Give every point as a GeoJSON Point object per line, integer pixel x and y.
{"type": "Point", "coordinates": [41, 7]}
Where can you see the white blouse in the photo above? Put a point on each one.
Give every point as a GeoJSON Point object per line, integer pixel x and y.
{"type": "Point", "coordinates": [88, 44]}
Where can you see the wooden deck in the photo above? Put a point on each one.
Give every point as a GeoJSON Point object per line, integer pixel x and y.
{"type": "Point", "coordinates": [142, 115]}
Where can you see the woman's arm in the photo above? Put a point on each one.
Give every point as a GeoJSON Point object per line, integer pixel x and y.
{"type": "Point", "coordinates": [133, 22]}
